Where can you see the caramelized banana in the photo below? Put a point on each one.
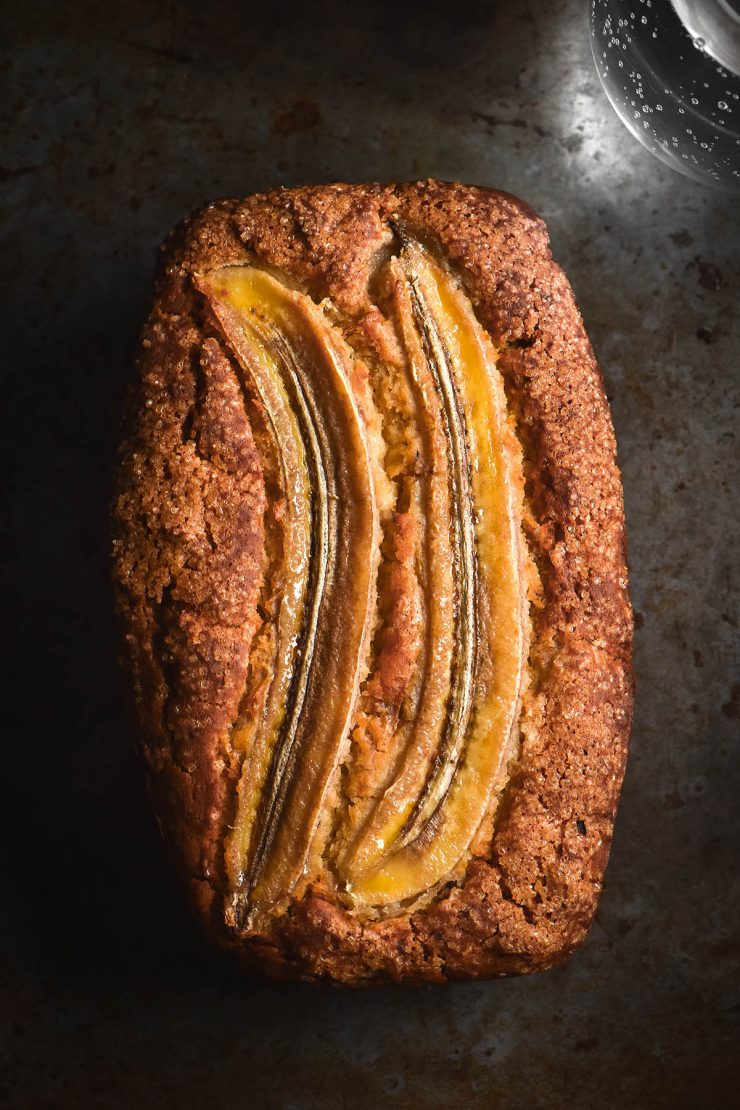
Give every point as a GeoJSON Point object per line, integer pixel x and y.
{"type": "Point", "coordinates": [439, 816]}
{"type": "Point", "coordinates": [299, 369]}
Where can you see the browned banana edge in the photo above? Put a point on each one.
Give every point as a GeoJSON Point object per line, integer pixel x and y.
{"type": "Point", "coordinates": [192, 549]}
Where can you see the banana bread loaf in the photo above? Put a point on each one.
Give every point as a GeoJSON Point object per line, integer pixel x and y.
{"type": "Point", "coordinates": [369, 562]}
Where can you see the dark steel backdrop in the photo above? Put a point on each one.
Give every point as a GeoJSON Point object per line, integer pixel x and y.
{"type": "Point", "coordinates": [119, 119]}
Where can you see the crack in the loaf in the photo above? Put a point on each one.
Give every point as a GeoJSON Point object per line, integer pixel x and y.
{"type": "Point", "coordinates": [188, 432]}
{"type": "Point", "coordinates": [163, 657]}
{"type": "Point", "coordinates": [379, 708]}
{"type": "Point", "coordinates": [523, 342]}
{"type": "Point", "coordinates": [507, 895]}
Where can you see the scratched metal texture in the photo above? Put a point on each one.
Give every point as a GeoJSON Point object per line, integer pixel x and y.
{"type": "Point", "coordinates": [117, 119]}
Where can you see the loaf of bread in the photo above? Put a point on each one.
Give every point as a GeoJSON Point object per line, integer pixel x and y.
{"type": "Point", "coordinates": [369, 562]}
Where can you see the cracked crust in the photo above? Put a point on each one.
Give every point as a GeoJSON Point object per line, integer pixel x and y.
{"type": "Point", "coordinates": [189, 560]}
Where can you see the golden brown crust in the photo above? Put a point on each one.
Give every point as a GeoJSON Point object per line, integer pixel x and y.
{"type": "Point", "coordinates": [189, 552]}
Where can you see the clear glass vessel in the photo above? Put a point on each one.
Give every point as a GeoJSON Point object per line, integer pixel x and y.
{"type": "Point", "coordinates": [671, 70]}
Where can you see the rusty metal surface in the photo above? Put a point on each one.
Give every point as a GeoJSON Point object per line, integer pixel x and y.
{"type": "Point", "coordinates": [118, 119]}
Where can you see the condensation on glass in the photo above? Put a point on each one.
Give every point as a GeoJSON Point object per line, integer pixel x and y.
{"type": "Point", "coordinates": [671, 70]}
